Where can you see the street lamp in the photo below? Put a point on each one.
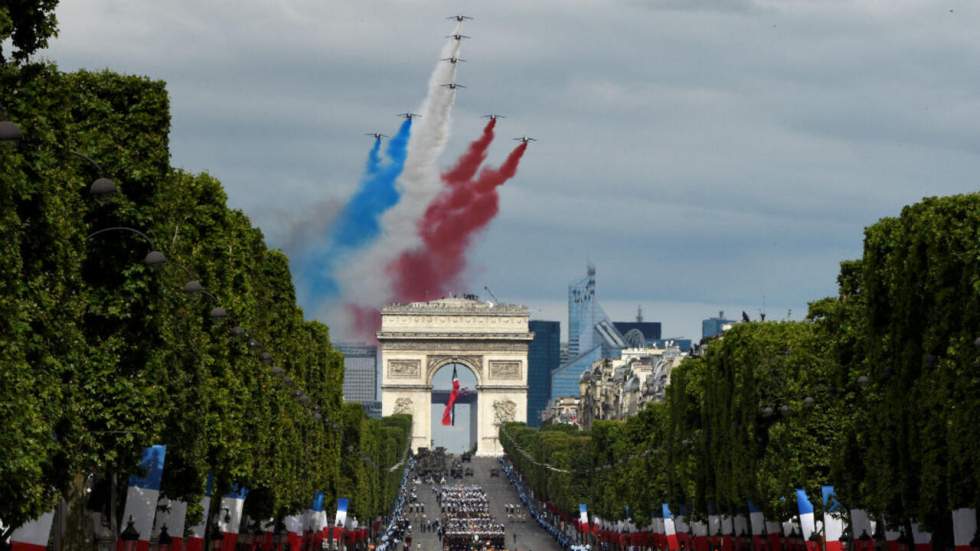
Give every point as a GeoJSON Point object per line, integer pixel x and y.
{"type": "Point", "coordinates": [154, 259]}
{"type": "Point", "coordinates": [129, 536]}
{"type": "Point", "coordinates": [102, 186]}
{"type": "Point", "coordinates": [9, 131]}
{"type": "Point", "coordinates": [808, 401]}
{"type": "Point", "coordinates": [193, 287]}
{"type": "Point", "coordinates": [218, 313]}
{"type": "Point", "coordinates": [266, 358]}
{"type": "Point", "coordinates": [164, 540]}
{"type": "Point", "coordinates": [237, 331]}
{"type": "Point", "coordinates": [863, 380]}
{"type": "Point", "coordinates": [784, 409]}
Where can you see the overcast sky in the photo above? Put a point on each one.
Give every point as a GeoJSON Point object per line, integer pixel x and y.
{"type": "Point", "coordinates": [704, 155]}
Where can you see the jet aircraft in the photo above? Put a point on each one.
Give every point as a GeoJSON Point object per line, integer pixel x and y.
{"type": "Point", "coordinates": [377, 135]}
{"type": "Point", "coordinates": [409, 116]}
{"type": "Point", "coordinates": [453, 86]}
{"type": "Point", "coordinates": [525, 139]}
{"type": "Point", "coordinates": [460, 18]}
{"type": "Point", "coordinates": [454, 60]}
{"type": "Point", "coordinates": [457, 36]}
{"type": "Point", "coordinates": [493, 116]}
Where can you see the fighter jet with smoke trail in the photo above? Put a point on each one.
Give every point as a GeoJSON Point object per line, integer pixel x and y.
{"type": "Point", "coordinates": [459, 18]}
{"type": "Point", "coordinates": [453, 86]}
{"type": "Point", "coordinates": [409, 116]}
{"type": "Point", "coordinates": [493, 116]}
{"type": "Point", "coordinates": [377, 135]}
{"type": "Point", "coordinates": [457, 36]}
{"type": "Point", "coordinates": [454, 60]}
{"type": "Point", "coordinates": [525, 139]}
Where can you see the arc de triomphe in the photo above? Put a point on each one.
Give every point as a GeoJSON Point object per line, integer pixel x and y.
{"type": "Point", "coordinates": [418, 339]}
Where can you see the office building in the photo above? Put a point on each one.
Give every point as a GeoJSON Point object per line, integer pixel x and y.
{"type": "Point", "coordinates": [360, 372]}
{"type": "Point", "coordinates": [543, 357]}
{"type": "Point", "coordinates": [712, 327]}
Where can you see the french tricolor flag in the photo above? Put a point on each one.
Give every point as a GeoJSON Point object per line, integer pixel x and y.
{"type": "Point", "coordinates": [195, 539]}
{"type": "Point", "coordinates": [340, 519]}
{"type": "Point", "coordinates": [775, 536]}
{"type": "Point", "coordinates": [171, 513]}
{"type": "Point", "coordinates": [757, 522]}
{"type": "Point", "coordinates": [807, 520]}
{"type": "Point", "coordinates": [699, 531]}
{"type": "Point", "coordinates": [921, 538]}
{"type": "Point", "coordinates": [583, 518]}
{"type": "Point", "coordinates": [34, 535]}
{"type": "Point", "coordinates": [142, 496]}
{"type": "Point", "coordinates": [317, 519]}
{"type": "Point", "coordinates": [833, 520]}
{"type": "Point", "coordinates": [230, 517]}
{"type": "Point", "coordinates": [294, 531]}
{"type": "Point", "coordinates": [670, 531]}
{"type": "Point", "coordinates": [964, 528]}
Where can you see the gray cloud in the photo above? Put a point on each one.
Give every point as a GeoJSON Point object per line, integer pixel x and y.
{"type": "Point", "coordinates": [701, 153]}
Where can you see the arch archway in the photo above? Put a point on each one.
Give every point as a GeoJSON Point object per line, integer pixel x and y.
{"type": "Point", "coordinates": [463, 432]}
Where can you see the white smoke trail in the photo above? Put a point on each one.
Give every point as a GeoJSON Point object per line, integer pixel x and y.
{"type": "Point", "coordinates": [364, 279]}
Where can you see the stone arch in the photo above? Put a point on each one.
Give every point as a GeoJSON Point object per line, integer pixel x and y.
{"type": "Point", "coordinates": [435, 363]}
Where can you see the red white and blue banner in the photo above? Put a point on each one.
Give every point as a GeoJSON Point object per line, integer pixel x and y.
{"type": "Point", "coordinates": [683, 529]}
{"type": "Point", "coordinates": [964, 528]}
{"type": "Point", "coordinates": [699, 533]}
{"type": "Point", "coordinates": [921, 538]}
{"type": "Point", "coordinates": [807, 520]}
{"type": "Point", "coordinates": [833, 519]}
{"type": "Point", "coordinates": [196, 534]}
{"type": "Point", "coordinates": [670, 531]}
{"type": "Point", "coordinates": [171, 513]}
{"type": "Point", "coordinates": [34, 535]}
{"type": "Point", "coordinates": [316, 520]}
{"type": "Point", "coordinates": [142, 496]}
{"type": "Point", "coordinates": [294, 531]}
{"type": "Point", "coordinates": [757, 522]}
{"type": "Point", "coordinates": [583, 518]}
{"type": "Point", "coordinates": [230, 517]}
{"type": "Point", "coordinates": [340, 519]}
{"type": "Point", "coordinates": [727, 531]}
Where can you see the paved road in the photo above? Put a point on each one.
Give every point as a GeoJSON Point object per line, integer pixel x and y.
{"type": "Point", "coordinates": [530, 537]}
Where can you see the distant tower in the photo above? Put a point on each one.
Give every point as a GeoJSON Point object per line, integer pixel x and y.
{"type": "Point", "coordinates": [639, 314]}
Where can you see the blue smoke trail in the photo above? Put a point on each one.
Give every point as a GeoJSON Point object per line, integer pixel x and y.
{"type": "Point", "coordinates": [359, 222]}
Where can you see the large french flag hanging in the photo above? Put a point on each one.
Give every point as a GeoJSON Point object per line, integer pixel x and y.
{"type": "Point", "coordinates": [142, 496]}
{"type": "Point", "coordinates": [195, 538]}
{"type": "Point", "coordinates": [757, 522]}
{"type": "Point", "coordinates": [833, 520]}
{"type": "Point", "coordinates": [230, 517]}
{"type": "Point", "coordinates": [807, 520]}
{"type": "Point", "coordinates": [449, 414]}
{"type": "Point", "coordinates": [921, 538]}
{"type": "Point", "coordinates": [171, 513]}
{"type": "Point", "coordinates": [964, 528]}
{"type": "Point", "coordinates": [34, 535]}
{"type": "Point", "coordinates": [317, 520]}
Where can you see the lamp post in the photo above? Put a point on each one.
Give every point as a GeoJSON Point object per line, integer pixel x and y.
{"type": "Point", "coordinates": [164, 540]}
{"type": "Point", "coordinates": [153, 259]}
{"type": "Point", "coordinates": [101, 186]}
{"type": "Point", "coordinates": [9, 131]}
{"type": "Point", "coordinates": [129, 536]}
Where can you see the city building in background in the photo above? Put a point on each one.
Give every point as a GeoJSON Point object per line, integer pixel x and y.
{"type": "Point", "coordinates": [360, 373]}
{"type": "Point", "coordinates": [712, 327]}
{"type": "Point", "coordinates": [592, 336]}
{"type": "Point", "coordinates": [543, 357]}
{"type": "Point", "coordinates": [562, 410]}
{"type": "Point", "coordinates": [620, 388]}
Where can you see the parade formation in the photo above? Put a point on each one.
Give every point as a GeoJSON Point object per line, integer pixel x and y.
{"type": "Point", "coordinates": [466, 519]}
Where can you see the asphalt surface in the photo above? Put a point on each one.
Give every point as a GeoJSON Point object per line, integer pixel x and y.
{"type": "Point", "coordinates": [530, 537]}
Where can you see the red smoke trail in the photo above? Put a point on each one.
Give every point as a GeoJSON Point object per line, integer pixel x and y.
{"type": "Point", "coordinates": [365, 321]}
{"type": "Point", "coordinates": [449, 224]}
{"type": "Point", "coordinates": [470, 161]}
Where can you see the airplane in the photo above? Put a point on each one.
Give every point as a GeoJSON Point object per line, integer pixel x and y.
{"type": "Point", "coordinates": [409, 116]}
{"type": "Point", "coordinates": [493, 116]}
{"type": "Point", "coordinates": [525, 139]}
{"type": "Point", "coordinates": [377, 135]}
{"type": "Point", "coordinates": [460, 18]}
{"type": "Point", "coordinates": [454, 60]}
{"type": "Point", "coordinates": [453, 86]}
{"type": "Point", "coordinates": [457, 36]}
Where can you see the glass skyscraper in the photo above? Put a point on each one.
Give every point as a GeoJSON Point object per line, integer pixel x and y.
{"type": "Point", "coordinates": [542, 359]}
{"type": "Point", "coordinates": [591, 336]}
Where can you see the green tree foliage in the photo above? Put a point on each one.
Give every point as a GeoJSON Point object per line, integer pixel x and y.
{"type": "Point", "coordinates": [101, 355]}
{"type": "Point", "coordinates": [28, 24]}
{"type": "Point", "coordinates": [875, 393]}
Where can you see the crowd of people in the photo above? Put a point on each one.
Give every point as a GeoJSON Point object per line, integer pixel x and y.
{"type": "Point", "coordinates": [565, 538]}
{"type": "Point", "coordinates": [466, 520]}
{"type": "Point", "coordinates": [399, 528]}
